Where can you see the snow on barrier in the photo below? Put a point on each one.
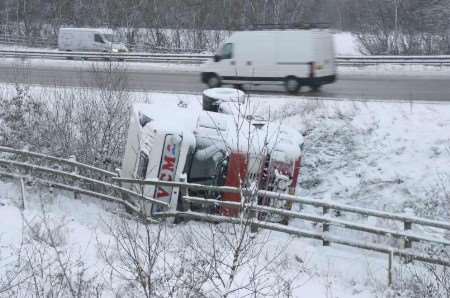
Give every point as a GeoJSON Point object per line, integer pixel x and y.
{"type": "Point", "coordinates": [79, 178]}
{"type": "Point", "coordinates": [407, 252]}
{"type": "Point", "coordinates": [69, 175]}
{"type": "Point", "coordinates": [199, 59]}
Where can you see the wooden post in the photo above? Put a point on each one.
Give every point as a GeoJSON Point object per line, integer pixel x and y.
{"type": "Point", "coordinates": [325, 226]}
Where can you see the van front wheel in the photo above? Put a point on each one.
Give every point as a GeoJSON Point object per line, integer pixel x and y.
{"type": "Point", "coordinates": [213, 81]}
{"type": "Point", "coordinates": [292, 85]}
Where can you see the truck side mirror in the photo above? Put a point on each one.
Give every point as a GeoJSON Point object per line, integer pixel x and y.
{"type": "Point", "coordinates": [217, 58]}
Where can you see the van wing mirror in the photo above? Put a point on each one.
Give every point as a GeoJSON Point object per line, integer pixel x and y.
{"type": "Point", "coordinates": [217, 58]}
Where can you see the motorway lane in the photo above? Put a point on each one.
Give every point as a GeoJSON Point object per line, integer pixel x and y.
{"type": "Point", "coordinates": [353, 86]}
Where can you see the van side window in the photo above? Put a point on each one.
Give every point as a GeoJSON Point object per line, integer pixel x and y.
{"type": "Point", "coordinates": [98, 38]}
{"type": "Point", "coordinates": [227, 51]}
{"type": "Point", "coordinates": [142, 166]}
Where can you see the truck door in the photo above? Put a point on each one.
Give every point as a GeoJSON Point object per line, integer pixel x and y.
{"type": "Point", "coordinates": [237, 169]}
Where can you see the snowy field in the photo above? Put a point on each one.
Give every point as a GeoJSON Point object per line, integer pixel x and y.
{"type": "Point", "coordinates": [382, 155]}
{"type": "Point", "coordinates": [346, 44]}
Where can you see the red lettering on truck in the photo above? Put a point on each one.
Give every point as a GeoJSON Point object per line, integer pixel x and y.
{"type": "Point", "coordinates": [169, 163]}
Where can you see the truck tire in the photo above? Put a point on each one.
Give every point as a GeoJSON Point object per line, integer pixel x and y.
{"type": "Point", "coordinates": [214, 81]}
{"type": "Point", "coordinates": [292, 85]}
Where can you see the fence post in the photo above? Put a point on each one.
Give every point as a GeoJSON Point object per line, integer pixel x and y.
{"type": "Point", "coordinates": [252, 211]}
{"type": "Point", "coordinates": [390, 261]}
{"type": "Point", "coordinates": [117, 171]}
{"type": "Point", "coordinates": [407, 226]}
{"type": "Point", "coordinates": [75, 171]}
{"type": "Point", "coordinates": [325, 226]}
{"type": "Point", "coordinates": [22, 195]}
{"type": "Point", "coordinates": [182, 191]}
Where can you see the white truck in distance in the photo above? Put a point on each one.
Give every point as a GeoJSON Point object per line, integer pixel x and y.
{"type": "Point", "coordinates": [88, 39]}
{"type": "Point", "coordinates": [187, 143]}
{"type": "Point", "coordinates": [293, 57]}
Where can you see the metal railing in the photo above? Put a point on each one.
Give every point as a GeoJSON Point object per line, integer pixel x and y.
{"type": "Point", "coordinates": [326, 220]}
{"type": "Point", "coordinates": [79, 178]}
{"type": "Point", "coordinates": [199, 58]}
{"type": "Point", "coordinates": [16, 40]}
{"type": "Point", "coordinates": [68, 174]}
{"type": "Point", "coordinates": [99, 56]}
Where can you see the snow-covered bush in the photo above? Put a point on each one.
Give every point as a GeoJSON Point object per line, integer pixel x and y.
{"type": "Point", "coordinates": [90, 124]}
{"type": "Point", "coordinates": [21, 119]}
{"type": "Point", "coordinates": [42, 265]}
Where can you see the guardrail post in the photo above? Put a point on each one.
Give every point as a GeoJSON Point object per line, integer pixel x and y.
{"type": "Point", "coordinates": [407, 226]}
{"type": "Point", "coordinates": [75, 171]}
{"type": "Point", "coordinates": [117, 171]}
{"type": "Point", "coordinates": [325, 226]}
{"type": "Point", "coordinates": [22, 195]}
{"type": "Point", "coordinates": [252, 212]}
{"type": "Point", "coordinates": [182, 191]}
{"type": "Point", "coordinates": [390, 260]}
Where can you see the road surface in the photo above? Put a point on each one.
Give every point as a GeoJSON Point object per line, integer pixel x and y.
{"type": "Point", "coordinates": [353, 86]}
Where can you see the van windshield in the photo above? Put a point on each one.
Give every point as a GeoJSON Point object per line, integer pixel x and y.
{"type": "Point", "coordinates": [227, 51]}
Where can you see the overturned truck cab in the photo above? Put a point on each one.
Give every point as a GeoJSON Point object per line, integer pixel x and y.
{"type": "Point", "coordinates": [220, 144]}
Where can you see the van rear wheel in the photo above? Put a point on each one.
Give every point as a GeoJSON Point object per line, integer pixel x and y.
{"type": "Point", "coordinates": [292, 85]}
{"type": "Point", "coordinates": [214, 81]}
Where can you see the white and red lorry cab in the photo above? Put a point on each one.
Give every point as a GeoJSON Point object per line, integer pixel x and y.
{"type": "Point", "coordinates": [187, 143]}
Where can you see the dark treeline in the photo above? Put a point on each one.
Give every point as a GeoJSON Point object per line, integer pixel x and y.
{"type": "Point", "coordinates": [384, 26]}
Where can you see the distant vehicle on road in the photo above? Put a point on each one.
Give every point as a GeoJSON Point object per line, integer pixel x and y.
{"type": "Point", "coordinates": [293, 57]}
{"type": "Point", "coordinates": [88, 39]}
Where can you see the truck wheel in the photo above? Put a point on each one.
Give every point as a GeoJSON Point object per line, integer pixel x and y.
{"type": "Point", "coordinates": [292, 85]}
{"type": "Point", "coordinates": [214, 81]}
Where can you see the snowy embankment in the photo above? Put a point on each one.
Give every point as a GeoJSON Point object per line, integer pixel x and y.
{"type": "Point", "coordinates": [388, 156]}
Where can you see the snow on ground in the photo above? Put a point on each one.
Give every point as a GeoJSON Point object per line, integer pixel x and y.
{"type": "Point", "coordinates": [77, 65]}
{"type": "Point", "coordinates": [14, 47]}
{"type": "Point", "coordinates": [382, 155]}
{"type": "Point", "coordinates": [84, 232]}
{"type": "Point", "coordinates": [346, 44]}
{"type": "Point", "coordinates": [395, 70]}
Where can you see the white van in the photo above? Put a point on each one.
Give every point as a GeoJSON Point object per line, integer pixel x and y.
{"type": "Point", "coordinates": [291, 57]}
{"type": "Point", "coordinates": [88, 39]}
